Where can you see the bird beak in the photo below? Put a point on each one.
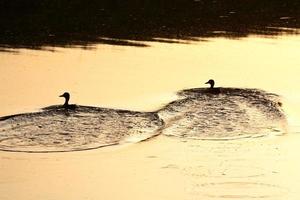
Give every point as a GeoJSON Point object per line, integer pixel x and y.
{"type": "Point", "coordinates": [61, 95]}
{"type": "Point", "coordinates": [207, 82]}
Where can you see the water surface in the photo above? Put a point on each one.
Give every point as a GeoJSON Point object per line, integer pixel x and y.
{"type": "Point", "coordinates": [224, 114]}
{"type": "Point", "coordinates": [42, 24]}
{"type": "Point", "coordinates": [257, 72]}
{"type": "Point", "coordinates": [62, 130]}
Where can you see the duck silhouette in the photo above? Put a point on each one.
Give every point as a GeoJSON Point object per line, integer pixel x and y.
{"type": "Point", "coordinates": [212, 89]}
{"type": "Point", "coordinates": [66, 105]}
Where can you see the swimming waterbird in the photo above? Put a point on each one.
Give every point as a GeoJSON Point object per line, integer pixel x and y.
{"type": "Point", "coordinates": [212, 89]}
{"type": "Point", "coordinates": [66, 95]}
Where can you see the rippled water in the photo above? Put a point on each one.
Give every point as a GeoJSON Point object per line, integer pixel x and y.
{"type": "Point", "coordinates": [230, 113]}
{"type": "Point", "coordinates": [233, 113]}
{"type": "Point", "coordinates": [60, 129]}
{"type": "Point", "coordinates": [239, 143]}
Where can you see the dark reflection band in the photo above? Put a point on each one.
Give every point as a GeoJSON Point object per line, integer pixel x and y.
{"type": "Point", "coordinates": [39, 24]}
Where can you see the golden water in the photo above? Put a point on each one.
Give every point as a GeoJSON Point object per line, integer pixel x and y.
{"type": "Point", "coordinates": [145, 79]}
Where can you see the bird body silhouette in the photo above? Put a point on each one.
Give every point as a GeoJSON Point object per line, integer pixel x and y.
{"type": "Point", "coordinates": [212, 89]}
{"type": "Point", "coordinates": [66, 105]}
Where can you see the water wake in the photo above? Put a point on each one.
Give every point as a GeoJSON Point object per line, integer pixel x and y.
{"type": "Point", "coordinates": [230, 113]}
{"type": "Point", "coordinates": [61, 130]}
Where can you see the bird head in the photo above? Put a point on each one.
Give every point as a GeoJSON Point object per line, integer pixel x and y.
{"type": "Point", "coordinates": [65, 95]}
{"type": "Point", "coordinates": [211, 82]}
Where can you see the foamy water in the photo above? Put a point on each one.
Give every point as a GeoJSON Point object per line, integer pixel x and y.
{"type": "Point", "coordinates": [233, 113]}
{"type": "Point", "coordinates": [59, 129]}
{"type": "Point", "coordinates": [200, 114]}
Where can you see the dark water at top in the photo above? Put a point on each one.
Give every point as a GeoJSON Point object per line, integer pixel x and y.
{"type": "Point", "coordinates": [45, 23]}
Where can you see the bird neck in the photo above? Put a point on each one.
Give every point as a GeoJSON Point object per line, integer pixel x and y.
{"type": "Point", "coordinates": [212, 85]}
{"type": "Point", "coordinates": [66, 101]}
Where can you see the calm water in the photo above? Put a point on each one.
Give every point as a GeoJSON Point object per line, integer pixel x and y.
{"type": "Point", "coordinates": [238, 145]}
